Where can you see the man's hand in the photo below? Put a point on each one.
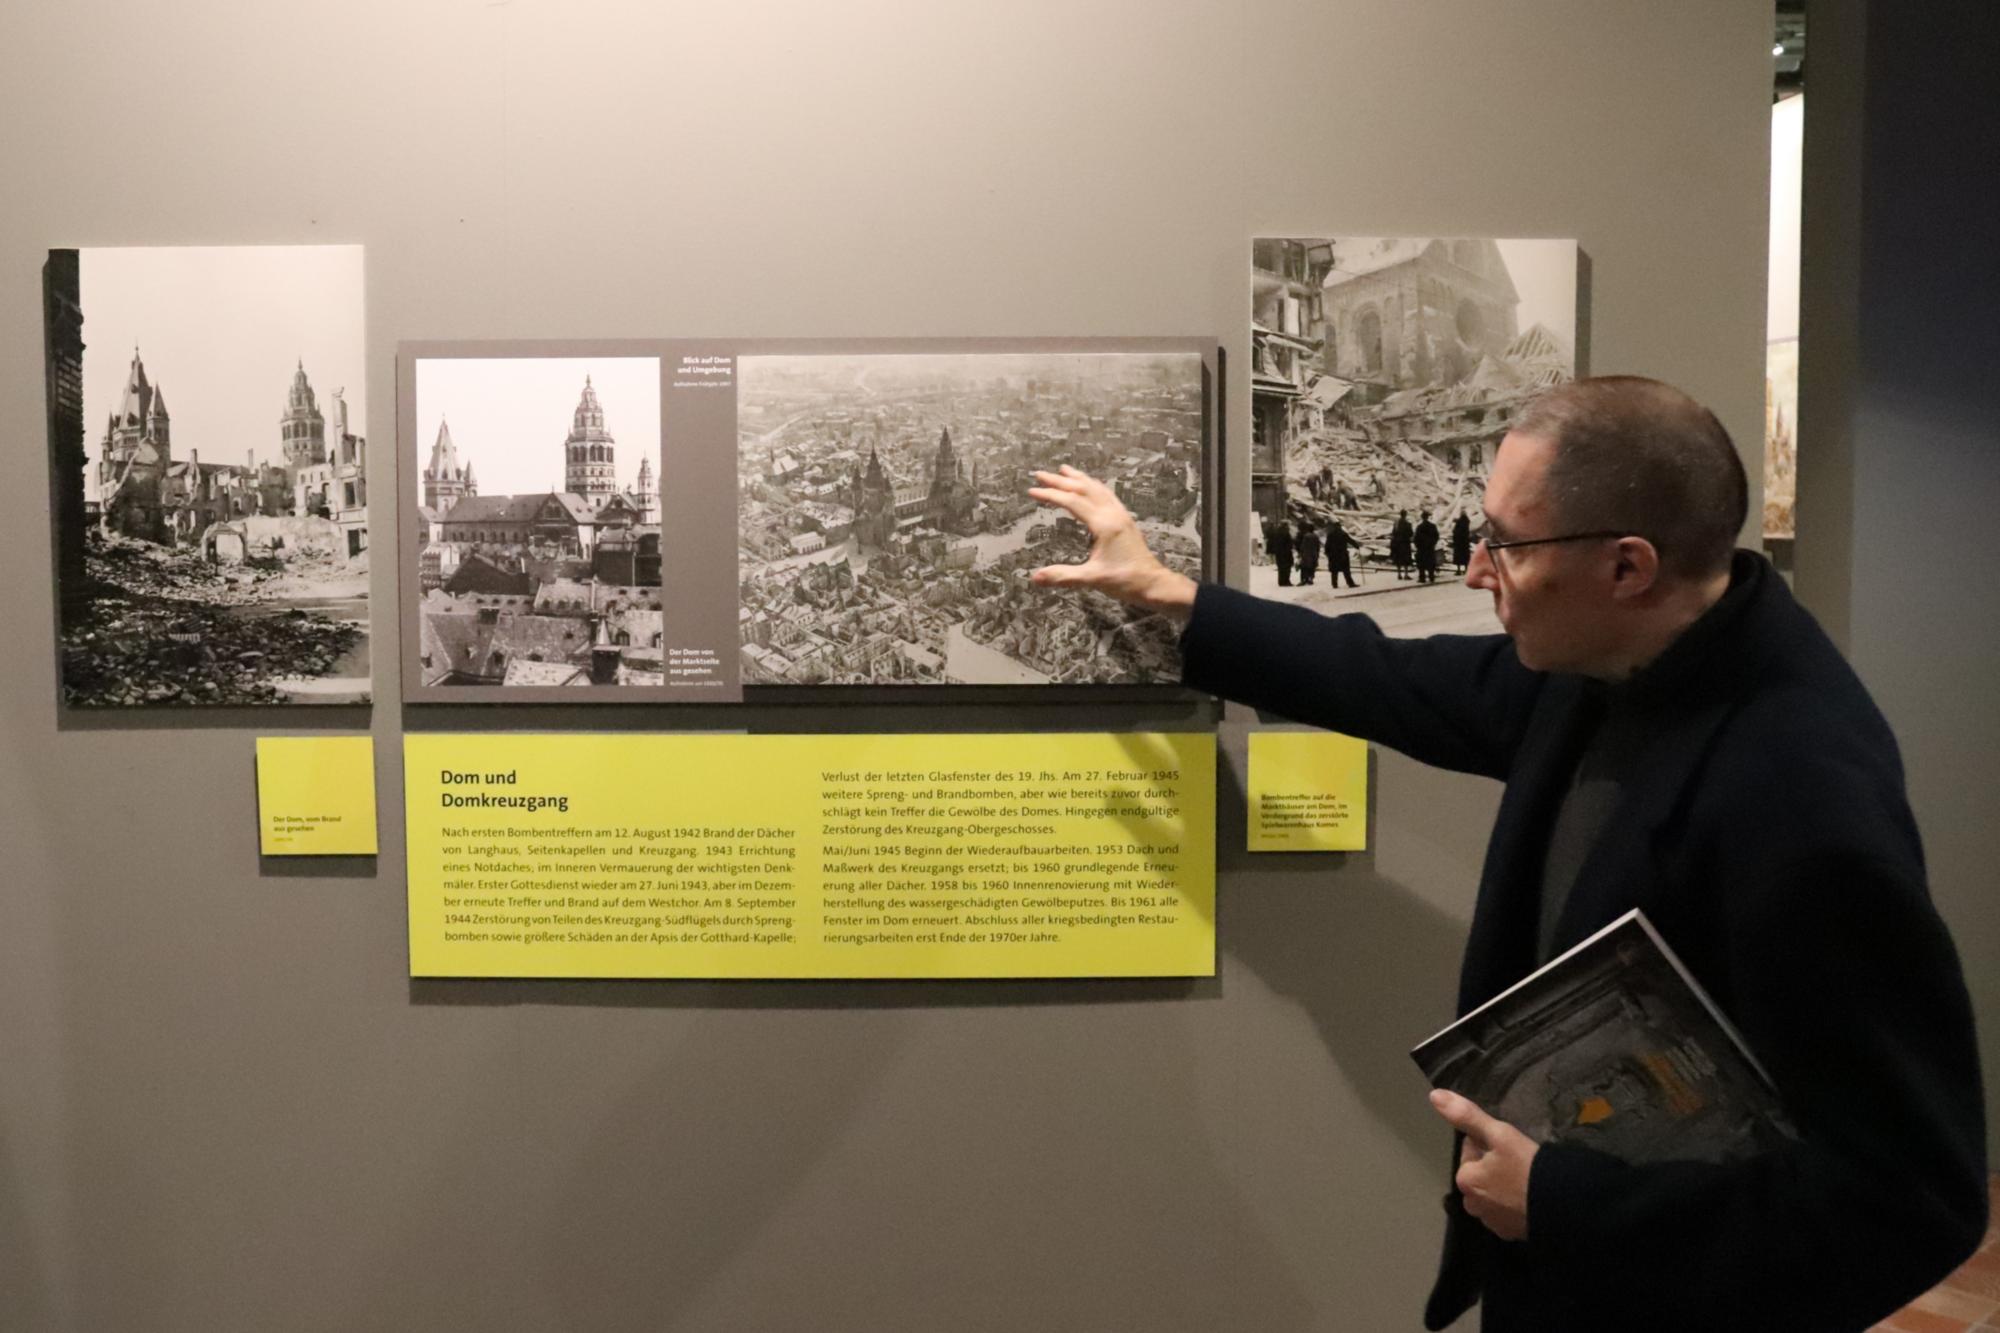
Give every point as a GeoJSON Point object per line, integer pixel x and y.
{"type": "Point", "coordinates": [1120, 564]}
{"type": "Point", "coordinates": [1493, 1166]}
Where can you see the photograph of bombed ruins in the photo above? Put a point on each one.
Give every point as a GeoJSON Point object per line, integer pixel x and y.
{"type": "Point", "coordinates": [1383, 374]}
{"type": "Point", "coordinates": [538, 521]}
{"type": "Point", "coordinates": [885, 531]}
{"type": "Point", "coordinates": [214, 552]}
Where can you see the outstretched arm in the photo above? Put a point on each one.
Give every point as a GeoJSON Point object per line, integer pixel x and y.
{"type": "Point", "coordinates": [1120, 564]}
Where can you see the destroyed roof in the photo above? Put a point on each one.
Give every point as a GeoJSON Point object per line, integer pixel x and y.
{"type": "Point", "coordinates": [1540, 343]}
{"type": "Point", "coordinates": [1327, 390]}
{"type": "Point", "coordinates": [1491, 374]}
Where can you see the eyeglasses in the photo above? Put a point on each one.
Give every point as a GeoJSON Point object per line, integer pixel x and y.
{"type": "Point", "coordinates": [1492, 546]}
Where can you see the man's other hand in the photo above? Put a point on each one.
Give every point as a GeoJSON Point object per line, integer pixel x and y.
{"type": "Point", "coordinates": [1493, 1166]}
{"type": "Point", "coordinates": [1120, 564]}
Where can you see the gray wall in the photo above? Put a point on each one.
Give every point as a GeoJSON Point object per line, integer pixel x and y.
{"type": "Point", "coordinates": [1899, 473]}
{"type": "Point", "coordinates": [223, 1105]}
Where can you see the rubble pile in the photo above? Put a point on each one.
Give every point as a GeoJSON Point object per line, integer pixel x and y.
{"type": "Point", "coordinates": [160, 630]}
{"type": "Point", "coordinates": [1385, 477]}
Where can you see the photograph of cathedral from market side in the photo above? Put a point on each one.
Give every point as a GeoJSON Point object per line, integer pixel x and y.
{"type": "Point", "coordinates": [885, 535]}
{"type": "Point", "coordinates": [538, 521]}
{"type": "Point", "coordinates": [215, 551]}
{"type": "Point", "coordinates": [1384, 372]}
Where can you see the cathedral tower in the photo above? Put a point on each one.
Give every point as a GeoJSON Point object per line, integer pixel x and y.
{"type": "Point", "coordinates": [445, 482]}
{"type": "Point", "coordinates": [588, 452]}
{"type": "Point", "coordinates": [952, 505]}
{"type": "Point", "coordinates": [647, 499]}
{"type": "Point", "coordinates": [141, 419]}
{"type": "Point", "coordinates": [302, 428]}
{"type": "Point", "coordinates": [874, 506]}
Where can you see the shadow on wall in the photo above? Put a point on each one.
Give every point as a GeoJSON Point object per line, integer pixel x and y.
{"type": "Point", "coordinates": [971, 1171]}
{"type": "Point", "coordinates": [1372, 964]}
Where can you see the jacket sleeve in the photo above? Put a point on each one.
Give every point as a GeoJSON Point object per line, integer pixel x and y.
{"type": "Point", "coordinates": [1848, 987]}
{"type": "Point", "coordinates": [1456, 701]}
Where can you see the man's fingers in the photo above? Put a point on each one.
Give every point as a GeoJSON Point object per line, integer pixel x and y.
{"type": "Point", "coordinates": [1067, 500]}
{"type": "Point", "coordinates": [1060, 481]}
{"type": "Point", "coordinates": [1061, 576]}
{"type": "Point", "coordinates": [1466, 1117]}
{"type": "Point", "coordinates": [1083, 482]}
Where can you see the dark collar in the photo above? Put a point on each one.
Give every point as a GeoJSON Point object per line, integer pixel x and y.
{"type": "Point", "coordinates": [1707, 654]}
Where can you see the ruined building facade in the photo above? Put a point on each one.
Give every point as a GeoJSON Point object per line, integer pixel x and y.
{"type": "Point", "coordinates": [1406, 313]}
{"type": "Point", "coordinates": [144, 491]}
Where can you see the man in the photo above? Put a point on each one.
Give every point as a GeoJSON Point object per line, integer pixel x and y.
{"type": "Point", "coordinates": [1401, 538]}
{"type": "Point", "coordinates": [1675, 733]}
{"type": "Point", "coordinates": [1308, 545]}
{"type": "Point", "coordinates": [1461, 542]}
{"type": "Point", "coordinates": [1278, 541]}
{"type": "Point", "coordinates": [1427, 549]}
{"type": "Point", "coordinates": [1338, 544]}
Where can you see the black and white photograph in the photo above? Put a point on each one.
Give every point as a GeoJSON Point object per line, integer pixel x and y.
{"type": "Point", "coordinates": [1384, 371]}
{"type": "Point", "coordinates": [885, 533]}
{"type": "Point", "coordinates": [537, 541]}
{"type": "Point", "coordinates": [206, 409]}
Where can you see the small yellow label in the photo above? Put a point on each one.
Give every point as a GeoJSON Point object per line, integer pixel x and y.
{"type": "Point", "coordinates": [1065, 855]}
{"type": "Point", "coordinates": [1308, 792]}
{"type": "Point", "coordinates": [316, 795]}
{"type": "Point", "coordinates": [1593, 1111]}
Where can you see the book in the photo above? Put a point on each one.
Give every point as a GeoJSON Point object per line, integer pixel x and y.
{"type": "Point", "coordinates": [1615, 1046]}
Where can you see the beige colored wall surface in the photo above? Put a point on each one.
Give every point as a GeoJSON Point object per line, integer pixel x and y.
{"type": "Point", "coordinates": [222, 1104]}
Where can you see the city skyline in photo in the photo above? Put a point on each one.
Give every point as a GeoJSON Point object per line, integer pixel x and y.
{"type": "Point", "coordinates": [510, 416]}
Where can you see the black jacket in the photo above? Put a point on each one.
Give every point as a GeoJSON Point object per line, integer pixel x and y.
{"type": "Point", "coordinates": [1767, 835]}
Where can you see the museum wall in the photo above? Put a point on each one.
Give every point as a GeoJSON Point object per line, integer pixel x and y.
{"type": "Point", "coordinates": [226, 1106]}
{"type": "Point", "coordinates": [1901, 480]}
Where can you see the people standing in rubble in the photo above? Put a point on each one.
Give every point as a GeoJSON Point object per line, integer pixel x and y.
{"type": "Point", "coordinates": [1401, 538]}
{"type": "Point", "coordinates": [1278, 541]}
{"type": "Point", "coordinates": [1427, 549]}
{"type": "Point", "coordinates": [1337, 545]}
{"type": "Point", "coordinates": [1308, 542]}
{"type": "Point", "coordinates": [1461, 541]}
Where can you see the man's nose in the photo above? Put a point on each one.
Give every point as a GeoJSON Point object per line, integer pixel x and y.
{"type": "Point", "coordinates": [1479, 571]}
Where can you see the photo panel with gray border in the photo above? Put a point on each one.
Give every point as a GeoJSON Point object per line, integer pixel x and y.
{"type": "Point", "coordinates": [885, 533]}
{"type": "Point", "coordinates": [566, 543]}
{"type": "Point", "coordinates": [210, 478]}
{"type": "Point", "coordinates": [1384, 372]}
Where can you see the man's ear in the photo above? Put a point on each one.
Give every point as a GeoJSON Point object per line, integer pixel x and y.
{"type": "Point", "coordinates": [1635, 569]}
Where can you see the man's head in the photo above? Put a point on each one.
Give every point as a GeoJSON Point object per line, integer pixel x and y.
{"type": "Point", "coordinates": [1647, 487]}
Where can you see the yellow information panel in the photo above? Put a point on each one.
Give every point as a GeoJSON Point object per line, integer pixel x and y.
{"type": "Point", "coordinates": [316, 795]}
{"type": "Point", "coordinates": [1058, 855]}
{"type": "Point", "coordinates": [1308, 792]}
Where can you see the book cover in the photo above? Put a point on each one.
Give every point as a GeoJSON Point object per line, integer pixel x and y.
{"type": "Point", "coordinates": [1613, 1045]}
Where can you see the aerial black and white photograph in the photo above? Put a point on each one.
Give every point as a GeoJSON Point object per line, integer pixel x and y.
{"type": "Point", "coordinates": [206, 417]}
{"type": "Point", "coordinates": [1384, 373]}
{"type": "Point", "coordinates": [537, 527]}
{"type": "Point", "coordinates": [886, 537]}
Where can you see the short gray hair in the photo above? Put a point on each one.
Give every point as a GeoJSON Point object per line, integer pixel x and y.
{"type": "Point", "coordinates": [1635, 455]}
